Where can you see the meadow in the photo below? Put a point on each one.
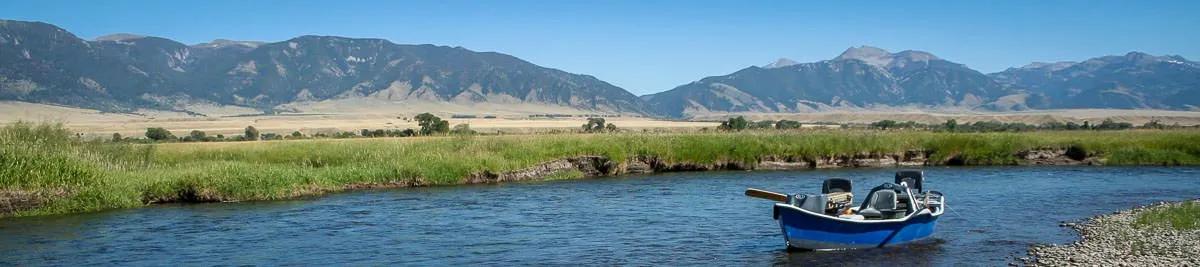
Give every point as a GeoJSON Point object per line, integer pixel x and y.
{"type": "Point", "coordinates": [48, 170]}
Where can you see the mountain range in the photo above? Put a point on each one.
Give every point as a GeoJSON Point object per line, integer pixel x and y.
{"type": "Point", "coordinates": [42, 63]}
{"type": "Point", "coordinates": [867, 77]}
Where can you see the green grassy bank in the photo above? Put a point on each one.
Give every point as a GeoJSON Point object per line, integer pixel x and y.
{"type": "Point", "coordinates": [1181, 216]}
{"type": "Point", "coordinates": [65, 175]}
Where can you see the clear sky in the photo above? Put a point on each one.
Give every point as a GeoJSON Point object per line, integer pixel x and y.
{"type": "Point", "coordinates": [651, 46]}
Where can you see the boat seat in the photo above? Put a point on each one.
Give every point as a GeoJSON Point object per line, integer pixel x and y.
{"type": "Point", "coordinates": [881, 205]}
{"type": "Point", "coordinates": [915, 179]}
{"type": "Point", "coordinates": [813, 203]}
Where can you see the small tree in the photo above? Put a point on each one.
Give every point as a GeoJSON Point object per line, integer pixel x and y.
{"type": "Point", "coordinates": [735, 124]}
{"type": "Point", "coordinates": [431, 124]}
{"type": "Point", "coordinates": [951, 125]}
{"type": "Point", "coordinates": [116, 137]}
{"type": "Point", "coordinates": [197, 135]}
{"type": "Point", "coordinates": [297, 134]}
{"type": "Point", "coordinates": [251, 133]}
{"type": "Point", "coordinates": [884, 124]}
{"type": "Point", "coordinates": [159, 134]}
{"type": "Point", "coordinates": [612, 128]}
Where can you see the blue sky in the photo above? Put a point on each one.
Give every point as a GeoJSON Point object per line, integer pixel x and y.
{"type": "Point", "coordinates": [651, 46]}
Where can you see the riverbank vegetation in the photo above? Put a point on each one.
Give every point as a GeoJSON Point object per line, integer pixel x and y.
{"type": "Point", "coordinates": [1185, 216]}
{"type": "Point", "coordinates": [47, 169]}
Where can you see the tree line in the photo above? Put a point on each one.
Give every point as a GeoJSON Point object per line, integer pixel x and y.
{"type": "Point", "coordinates": [953, 125]}
{"type": "Point", "coordinates": [430, 125]}
{"type": "Point", "coordinates": [741, 123]}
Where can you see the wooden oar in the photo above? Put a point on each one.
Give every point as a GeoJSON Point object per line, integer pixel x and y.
{"type": "Point", "coordinates": [768, 195]}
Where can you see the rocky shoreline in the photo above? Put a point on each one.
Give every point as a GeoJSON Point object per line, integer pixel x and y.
{"type": "Point", "coordinates": [1114, 240]}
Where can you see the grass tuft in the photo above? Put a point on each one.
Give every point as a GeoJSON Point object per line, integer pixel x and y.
{"type": "Point", "coordinates": [1184, 216]}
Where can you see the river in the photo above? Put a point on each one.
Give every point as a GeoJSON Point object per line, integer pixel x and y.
{"type": "Point", "coordinates": [696, 218]}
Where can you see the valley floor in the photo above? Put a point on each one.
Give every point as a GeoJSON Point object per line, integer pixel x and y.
{"type": "Point", "coordinates": [233, 120]}
{"type": "Point", "coordinates": [333, 116]}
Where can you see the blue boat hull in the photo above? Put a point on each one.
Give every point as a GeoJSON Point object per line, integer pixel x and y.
{"type": "Point", "coordinates": [807, 230]}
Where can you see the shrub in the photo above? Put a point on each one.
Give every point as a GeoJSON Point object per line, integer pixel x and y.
{"type": "Point", "coordinates": [594, 125]}
{"type": "Point", "coordinates": [787, 124]}
{"type": "Point", "coordinates": [462, 129]}
{"type": "Point", "coordinates": [1109, 124]}
{"type": "Point", "coordinates": [767, 124]}
{"type": "Point", "coordinates": [884, 124]}
{"type": "Point", "coordinates": [1072, 126]}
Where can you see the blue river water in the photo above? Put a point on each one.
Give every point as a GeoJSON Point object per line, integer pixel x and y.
{"type": "Point", "coordinates": [698, 218]}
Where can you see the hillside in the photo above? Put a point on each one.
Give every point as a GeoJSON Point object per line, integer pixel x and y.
{"type": "Point", "coordinates": [45, 64]}
{"type": "Point", "coordinates": [874, 79]}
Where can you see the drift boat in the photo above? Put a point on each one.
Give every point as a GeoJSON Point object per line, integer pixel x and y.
{"type": "Point", "coordinates": [892, 214]}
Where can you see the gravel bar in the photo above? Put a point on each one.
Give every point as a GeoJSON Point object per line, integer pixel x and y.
{"type": "Point", "coordinates": [1113, 240]}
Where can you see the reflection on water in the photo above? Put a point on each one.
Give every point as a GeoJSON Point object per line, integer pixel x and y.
{"type": "Point", "coordinates": [674, 219]}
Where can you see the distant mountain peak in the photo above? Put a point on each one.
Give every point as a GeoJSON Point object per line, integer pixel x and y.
{"type": "Point", "coordinates": [1050, 66]}
{"type": "Point", "coordinates": [119, 37]}
{"type": "Point", "coordinates": [869, 54]}
{"type": "Point", "coordinates": [225, 42]}
{"type": "Point", "coordinates": [882, 58]}
{"type": "Point", "coordinates": [781, 62]}
{"type": "Point", "coordinates": [1136, 54]}
{"type": "Point", "coordinates": [914, 55]}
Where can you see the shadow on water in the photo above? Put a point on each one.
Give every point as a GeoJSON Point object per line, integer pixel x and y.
{"type": "Point", "coordinates": [661, 219]}
{"type": "Point", "coordinates": [920, 253]}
